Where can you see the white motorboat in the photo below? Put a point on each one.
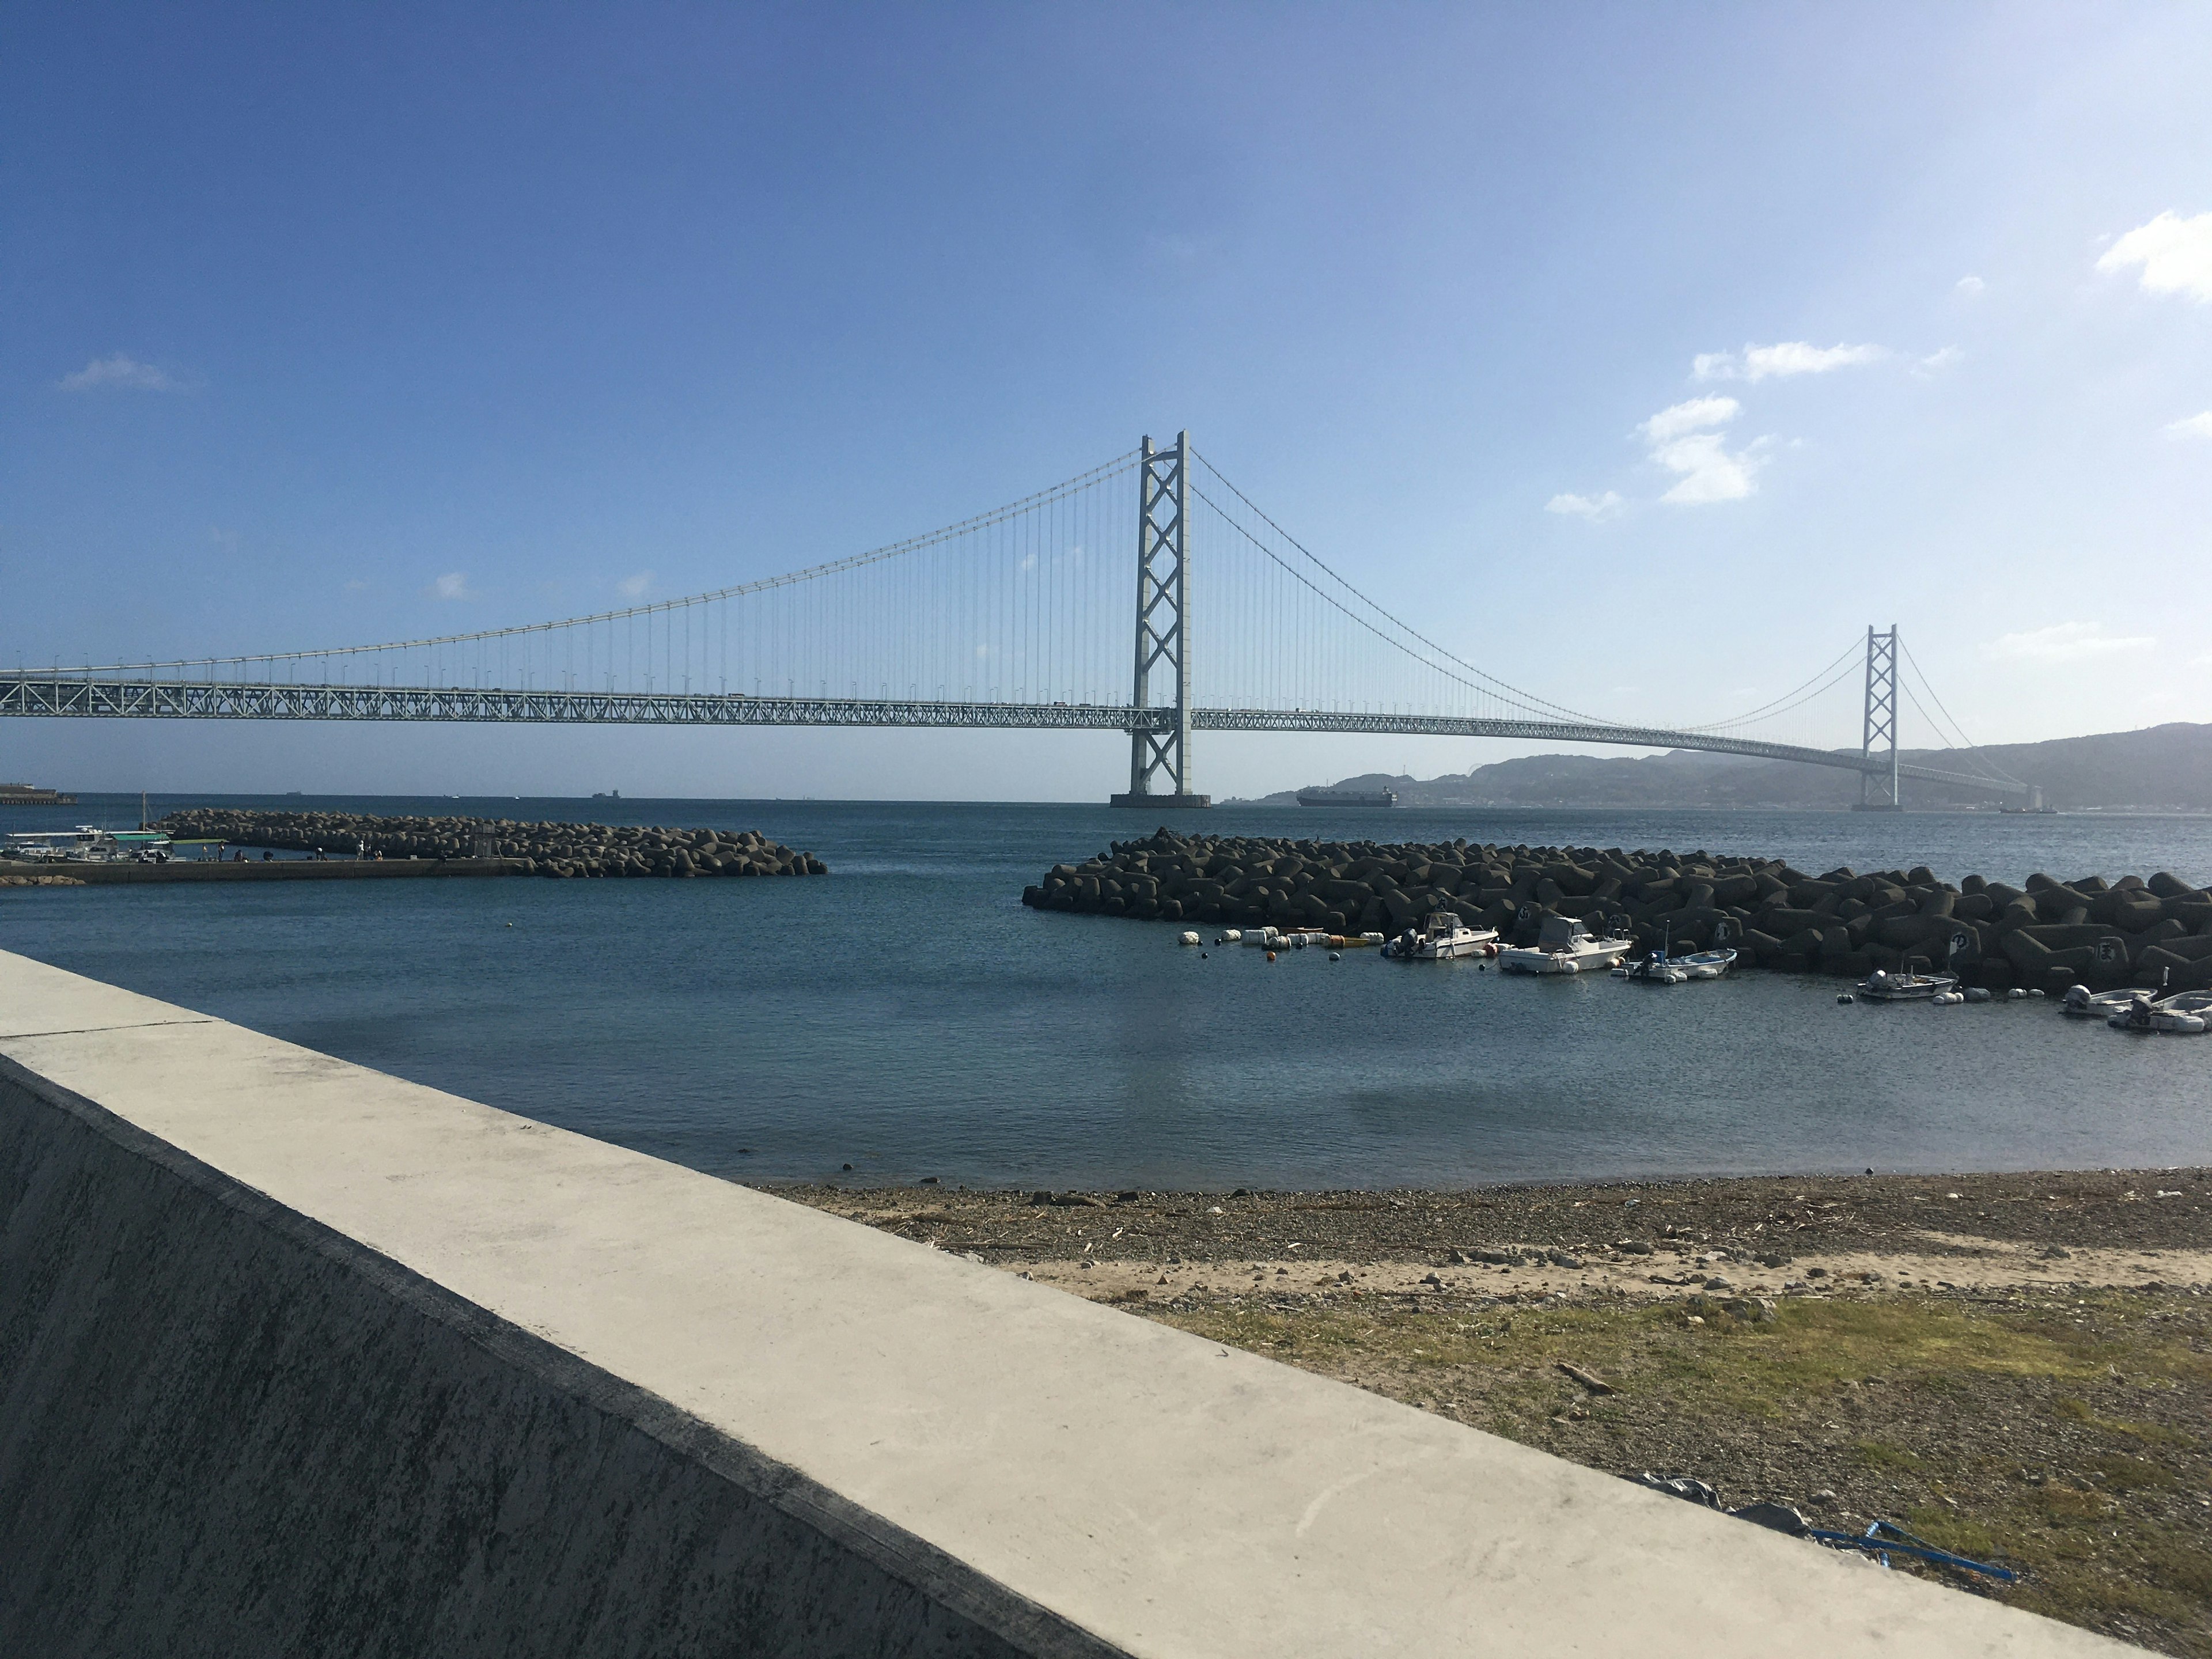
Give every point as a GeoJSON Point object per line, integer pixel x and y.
{"type": "Point", "coordinates": [1904, 986]}
{"type": "Point", "coordinates": [1563, 945]}
{"type": "Point", "coordinates": [2083, 1002]}
{"type": "Point", "coordinates": [2187, 1013]}
{"type": "Point", "coordinates": [1661, 969]}
{"type": "Point", "coordinates": [1443, 937]}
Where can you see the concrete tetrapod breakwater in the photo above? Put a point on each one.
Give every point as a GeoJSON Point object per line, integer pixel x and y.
{"type": "Point", "coordinates": [533, 848]}
{"type": "Point", "coordinates": [2047, 935]}
{"type": "Point", "coordinates": [296, 1357]}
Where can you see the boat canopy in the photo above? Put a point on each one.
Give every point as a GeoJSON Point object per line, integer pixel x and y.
{"type": "Point", "coordinates": [1557, 932]}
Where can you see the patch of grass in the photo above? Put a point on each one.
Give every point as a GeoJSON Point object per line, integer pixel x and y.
{"type": "Point", "coordinates": [1874, 1455]}
{"type": "Point", "coordinates": [2156, 1434]}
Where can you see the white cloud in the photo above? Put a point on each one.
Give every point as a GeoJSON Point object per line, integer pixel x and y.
{"type": "Point", "coordinates": [1969, 287]}
{"type": "Point", "coordinates": [1682, 442]}
{"type": "Point", "coordinates": [2071, 641]}
{"type": "Point", "coordinates": [1690, 416]}
{"type": "Point", "coordinates": [1935, 362]}
{"type": "Point", "coordinates": [452, 585]}
{"type": "Point", "coordinates": [2195, 426]}
{"type": "Point", "coordinates": [118, 370]}
{"type": "Point", "coordinates": [633, 588]}
{"type": "Point", "coordinates": [1757, 362]}
{"type": "Point", "coordinates": [2175, 254]}
{"type": "Point", "coordinates": [1596, 509]}
{"type": "Point", "coordinates": [1711, 472]}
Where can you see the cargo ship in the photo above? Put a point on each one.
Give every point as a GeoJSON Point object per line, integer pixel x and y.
{"type": "Point", "coordinates": [1347, 798]}
{"type": "Point", "coordinates": [24, 795]}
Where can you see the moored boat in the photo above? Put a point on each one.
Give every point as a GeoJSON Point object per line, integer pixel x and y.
{"type": "Point", "coordinates": [1563, 945]}
{"type": "Point", "coordinates": [2081, 1003]}
{"type": "Point", "coordinates": [1443, 937]}
{"type": "Point", "coordinates": [1905, 986]}
{"type": "Point", "coordinates": [1661, 969]}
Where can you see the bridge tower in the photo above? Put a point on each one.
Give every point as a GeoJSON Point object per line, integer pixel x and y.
{"type": "Point", "coordinates": [1162, 752]}
{"type": "Point", "coordinates": [1880, 724]}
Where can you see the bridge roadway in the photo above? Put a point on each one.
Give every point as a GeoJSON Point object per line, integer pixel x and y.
{"type": "Point", "coordinates": [67, 697]}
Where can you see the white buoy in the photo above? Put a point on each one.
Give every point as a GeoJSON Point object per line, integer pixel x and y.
{"type": "Point", "coordinates": [1190, 937]}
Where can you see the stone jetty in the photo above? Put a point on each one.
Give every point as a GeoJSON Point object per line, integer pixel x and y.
{"type": "Point", "coordinates": [2046, 936]}
{"type": "Point", "coordinates": [542, 849]}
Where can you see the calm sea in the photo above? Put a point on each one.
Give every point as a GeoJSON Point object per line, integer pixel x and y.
{"type": "Point", "coordinates": [905, 1015]}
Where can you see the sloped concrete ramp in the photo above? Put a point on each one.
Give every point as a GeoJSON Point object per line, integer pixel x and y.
{"type": "Point", "coordinates": [299, 1359]}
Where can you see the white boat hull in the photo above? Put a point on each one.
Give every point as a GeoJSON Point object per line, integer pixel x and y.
{"type": "Point", "coordinates": [1599, 957]}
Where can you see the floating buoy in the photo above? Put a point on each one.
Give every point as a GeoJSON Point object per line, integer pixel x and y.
{"type": "Point", "coordinates": [1202, 956]}
{"type": "Point", "coordinates": [1188, 938]}
{"type": "Point", "coordinates": [2035, 991]}
{"type": "Point", "coordinates": [1271, 955]}
{"type": "Point", "coordinates": [2016, 995]}
{"type": "Point", "coordinates": [1845, 997]}
{"type": "Point", "coordinates": [1976, 993]}
{"type": "Point", "coordinates": [1230, 936]}
{"type": "Point", "coordinates": [1335, 956]}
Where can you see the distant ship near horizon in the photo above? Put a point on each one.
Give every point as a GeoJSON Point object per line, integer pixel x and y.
{"type": "Point", "coordinates": [28, 794]}
{"type": "Point", "coordinates": [1347, 798]}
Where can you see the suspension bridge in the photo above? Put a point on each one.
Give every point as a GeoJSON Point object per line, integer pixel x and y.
{"type": "Point", "coordinates": [1019, 618]}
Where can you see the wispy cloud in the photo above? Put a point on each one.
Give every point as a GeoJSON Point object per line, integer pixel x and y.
{"type": "Point", "coordinates": [1683, 441]}
{"type": "Point", "coordinates": [2073, 641]}
{"type": "Point", "coordinates": [1969, 287]}
{"type": "Point", "coordinates": [1758, 362]}
{"type": "Point", "coordinates": [633, 587]}
{"type": "Point", "coordinates": [2195, 426]}
{"type": "Point", "coordinates": [452, 585]}
{"type": "Point", "coordinates": [1596, 509]}
{"type": "Point", "coordinates": [1936, 362]}
{"type": "Point", "coordinates": [118, 370]}
{"type": "Point", "coordinates": [1690, 416]}
{"type": "Point", "coordinates": [2175, 255]}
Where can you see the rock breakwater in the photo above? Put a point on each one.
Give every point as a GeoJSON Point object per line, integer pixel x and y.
{"type": "Point", "coordinates": [537, 848]}
{"type": "Point", "coordinates": [2045, 936]}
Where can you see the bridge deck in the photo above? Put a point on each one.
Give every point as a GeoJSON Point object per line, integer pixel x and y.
{"type": "Point", "coordinates": [61, 696]}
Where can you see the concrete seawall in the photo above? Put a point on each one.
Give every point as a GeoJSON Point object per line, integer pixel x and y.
{"type": "Point", "coordinates": [88, 874]}
{"type": "Point", "coordinates": [298, 1358]}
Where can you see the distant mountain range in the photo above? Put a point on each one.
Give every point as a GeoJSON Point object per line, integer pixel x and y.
{"type": "Point", "coordinates": [2162, 768]}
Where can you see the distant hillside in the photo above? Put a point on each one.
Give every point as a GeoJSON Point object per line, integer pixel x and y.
{"type": "Point", "coordinates": [2163, 767]}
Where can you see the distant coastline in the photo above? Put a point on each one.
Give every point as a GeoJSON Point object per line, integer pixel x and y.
{"type": "Point", "coordinates": [2160, 769]}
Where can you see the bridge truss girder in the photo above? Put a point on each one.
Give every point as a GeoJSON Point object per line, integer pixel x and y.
{"type": "Point", "coordinates": [81, 698]}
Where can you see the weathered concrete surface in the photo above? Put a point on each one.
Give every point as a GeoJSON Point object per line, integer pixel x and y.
{"type": "Point", "coordinates": [295, 1356]}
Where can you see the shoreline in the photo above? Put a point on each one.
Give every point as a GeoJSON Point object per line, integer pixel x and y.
{"type": "Point", "coordinates": [2113, 1227]}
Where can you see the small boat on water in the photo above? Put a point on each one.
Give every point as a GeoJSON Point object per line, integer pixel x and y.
{"type": "Point", "coordinates": [2186, 1013]}
{"type": "Point", "coordinates": [1563, 945]}
{"type": "Point", "coordinates": [2081, 1003]}
{"type": "Point", "coordinates": [1443, 937]}
{"type": "Point", "coordinates": [1905, 986]}
{"type": "Point", "coordinates": [1661, 969]}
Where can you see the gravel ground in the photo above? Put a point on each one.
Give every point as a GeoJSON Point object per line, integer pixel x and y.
{"type": "Point", "coordinates": [2016, 1367]}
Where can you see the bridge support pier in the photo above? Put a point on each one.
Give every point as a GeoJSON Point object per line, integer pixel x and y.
{"type": "Point", "coordinates": [1162, 753]}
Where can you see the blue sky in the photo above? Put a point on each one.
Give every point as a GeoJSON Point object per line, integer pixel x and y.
{"type": "Point", "coordinates": [1643, 355]}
